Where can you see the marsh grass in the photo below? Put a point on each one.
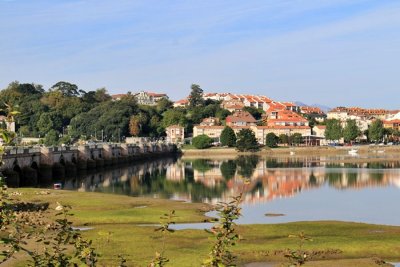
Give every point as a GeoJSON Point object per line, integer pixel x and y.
{"type": "Point", "coordinates": [354, 244]}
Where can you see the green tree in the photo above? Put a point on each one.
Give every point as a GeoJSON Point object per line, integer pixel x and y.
{"type": "Point", "coordinates": [376, 131]}
{"type": "Point", "coordinates": [222, 114]}
{"type": "Point", "coordinates": [174, 116]}
{"type": "Point", "coordinates": [351, 131]}
{"type": "Point", "coordinates": [297, 138]}
{"type": "Point", "coordinates": [228, 137]}
{"type": "Point", "coordinates": [163, 105]}
{"type": "Point", "coordinates": [66, 88]}
{"type": "Point", "coordinates": [246, 141]}
{"type": "Point", "coordinates": [283, 139]}
{"type": "Point", "coordinates": [255, 112]}
{"type": "Point", "coordinates": [51, 138]}
{"type": "Point", "coordinates": [196, 96]}
{"type": "Point", "coordinates": [202, 141]}
{"type": "Point", "coordinates": [271, 140]}
{"type": "Point", "coordinates": [49, 121]}
{"type": "Point", "coordinates": [333, 129]}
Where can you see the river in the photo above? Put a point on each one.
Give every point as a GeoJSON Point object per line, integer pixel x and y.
{"type": "Point", "coordinates": [287, 189]}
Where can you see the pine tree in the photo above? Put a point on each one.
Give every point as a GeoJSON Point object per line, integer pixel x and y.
{"type": "Point", "coordinates": [196, 96]}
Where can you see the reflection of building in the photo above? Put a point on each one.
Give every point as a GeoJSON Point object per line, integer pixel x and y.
{"type": "Point", "coordinates": [175, 172]}
{"type": "Point", "coordinates": [203, 180]}
{"type": "Point", "coordinates": [175, 134]}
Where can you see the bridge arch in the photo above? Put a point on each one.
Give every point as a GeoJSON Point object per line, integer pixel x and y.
{"type": "Point", "coordinates": [34, 165]}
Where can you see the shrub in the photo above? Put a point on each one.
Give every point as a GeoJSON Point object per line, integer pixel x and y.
{"type": "Point", "coordinates": [202, 141]}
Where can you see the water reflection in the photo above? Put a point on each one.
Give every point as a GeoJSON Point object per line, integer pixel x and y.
{"type": "Point", "coordinates": [208, 180]}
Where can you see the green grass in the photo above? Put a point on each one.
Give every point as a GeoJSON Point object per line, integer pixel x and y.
{"type": "Point", "coordinates": [99, 208]}
{"type": "Point", "coordinates": [331, 241]}
{"type": "Point", "coordinates": [115, 220]}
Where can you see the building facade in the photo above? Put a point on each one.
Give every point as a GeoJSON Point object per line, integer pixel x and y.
{"type": "Point", "coordinates": [175, 134]}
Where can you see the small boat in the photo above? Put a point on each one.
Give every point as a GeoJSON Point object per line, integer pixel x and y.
{"type": "Point", "coordinates": [292, 153]}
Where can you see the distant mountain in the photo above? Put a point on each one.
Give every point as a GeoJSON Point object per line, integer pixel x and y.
{"type": "Point", "coordinates": [323, 107]}
{"type": "Point", "coordinates": [301, 104]}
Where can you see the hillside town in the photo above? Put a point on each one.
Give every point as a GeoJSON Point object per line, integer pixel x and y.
{"type": "Point", "coordinates": [279, 118]}
{"type": "Point", "coordinates": [290, 123]}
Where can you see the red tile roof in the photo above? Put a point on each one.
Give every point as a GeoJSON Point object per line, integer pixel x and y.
{"type": "Point", "coordinates": [241, 116]}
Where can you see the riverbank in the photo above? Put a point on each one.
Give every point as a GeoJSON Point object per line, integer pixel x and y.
{"type": "Point", "coordinates": [116, 229]}
{"type": "Point", "coordinates": [373, 151]}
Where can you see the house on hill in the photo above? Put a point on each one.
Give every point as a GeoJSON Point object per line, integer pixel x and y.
{"type": "Point", "coordinates": [143, 97]}
{"type": "Point", "coordinates": [240, 119]}
{"type": "Point", "coordinates": [175, 134]}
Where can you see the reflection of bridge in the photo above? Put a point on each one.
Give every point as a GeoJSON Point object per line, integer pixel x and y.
{"type": "Point", "coordinates": [27, 165]}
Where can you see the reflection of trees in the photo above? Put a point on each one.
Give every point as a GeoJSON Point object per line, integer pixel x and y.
{"type": "Point", "coordinates": [246, 165]}
{"type": "Point", "coordinates": [202, 165]}
{"type": "Point", "coordinates": [228, 169]}
{"type": "Point", "coordinates": [333, 178]}
{"type": "Point", "coordinates": [284, 163]}
{"type": "Point", "coordinates": [210, 180]}
{"type": "Point", "coordinates": [377, 176]}
{"type": "Point", "coordinates": [352, 178]}
{"type": "Point", "coordinates": [312, 180]}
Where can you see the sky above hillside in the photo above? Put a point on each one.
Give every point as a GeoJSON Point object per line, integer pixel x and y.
{"type": "Point", "coordinates": [331, 52]}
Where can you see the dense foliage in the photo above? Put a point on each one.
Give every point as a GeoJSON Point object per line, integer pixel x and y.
{"type": "Point", "coordinates": [202, 141]}
{"type": "Point", "coordinates": [228, 137]}
{"type": "Point", "coordinates": [351, 131]}
{"type": "Point", "coordinates": [296, 139]}
{"type": "Point", "coordinates": [246, 141]}
{"type": "Point", "coordinates": [376, 131]}
{"type": "Point", "coordinates": [271, 140]}
{"type": "Point", "coordinates": [333, 130]}
{"type": "Point", "coordinates": [65, 113]}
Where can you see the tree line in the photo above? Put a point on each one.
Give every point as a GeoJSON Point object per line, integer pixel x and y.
{"type": "Point", "coordinates": [65, 113]}
{"type": "Point", "coordinates": [350, 132]}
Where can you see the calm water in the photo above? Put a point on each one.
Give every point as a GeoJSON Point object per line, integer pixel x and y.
{"type": "Point", "coordinates": [302, 189]}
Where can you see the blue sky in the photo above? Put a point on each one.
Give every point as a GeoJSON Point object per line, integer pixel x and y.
{"type": "Point", "coordinates": [332, 52]}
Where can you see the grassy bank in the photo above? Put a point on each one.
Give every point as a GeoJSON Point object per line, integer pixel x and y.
{"type": "Point", "coordinates": [115, 220]}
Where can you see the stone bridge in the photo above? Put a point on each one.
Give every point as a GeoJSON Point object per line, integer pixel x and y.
{"type": "Point", "coordinates": [16, 158]}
